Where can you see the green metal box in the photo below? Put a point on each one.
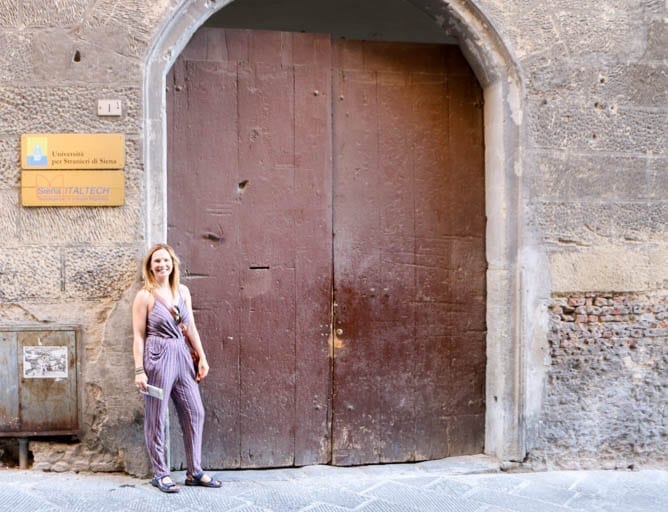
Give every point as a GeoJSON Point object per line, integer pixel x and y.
{"type": "Point", "coordinates": [39, 381]}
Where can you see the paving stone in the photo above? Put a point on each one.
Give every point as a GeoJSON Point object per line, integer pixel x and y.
{"type": "Point", "coordinates": [278, 501]}
{"type": "Point", "coordinates": [545, 492]}
{"type": "Point", "coordinates": [450, 486]}
{"type": "Point", "coordinates": [359, 485]}
{"type": "Point", "coordinates": [562, 479]}
{"type": "Point", "coordinates": [384, 506]}
{"type": "Point", "coordinates": [499, 482]}
{"type": "Point", "coordinates": [360, 490]}
{"type": "Point", "coordinates": [514, 502]}
{"type": "Point", "coordinates": [250, 508]}
{"type": "Point", "coordinates": [324, 507]}
{"type": "Point", "coordinates": [12, 499]}
{"type": "Point", "coordinates": [422, 499]}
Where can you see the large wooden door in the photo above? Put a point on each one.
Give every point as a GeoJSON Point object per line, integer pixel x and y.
{"type": "Point", "coordinates": [350, 341]}
{"type": "Point", "coordinates": [409, 254]}
{"type": "Point", "coordinates": [249, 194]}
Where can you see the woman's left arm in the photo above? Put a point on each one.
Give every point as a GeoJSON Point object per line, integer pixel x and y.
{"type": "Point", "coordinates": [193, 335]}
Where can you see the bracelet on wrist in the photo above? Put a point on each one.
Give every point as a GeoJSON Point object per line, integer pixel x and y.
{"type": "Point", "coordinates": [139, 370]}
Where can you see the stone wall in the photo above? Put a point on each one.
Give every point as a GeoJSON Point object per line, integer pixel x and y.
{"type": "Point", "coordinates": [592, 116]}
{"type": "Point", "coordinates": [606, 397]}
{"type": "Point", "coordinates": [77, 266]}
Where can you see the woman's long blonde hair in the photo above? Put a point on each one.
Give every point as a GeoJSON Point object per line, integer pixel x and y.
{"type": "Point", "coordinates": [150, 282]}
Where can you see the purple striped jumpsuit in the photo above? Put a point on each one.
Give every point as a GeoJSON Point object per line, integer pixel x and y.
{"type": "Point", "coordinates": [168, 365]}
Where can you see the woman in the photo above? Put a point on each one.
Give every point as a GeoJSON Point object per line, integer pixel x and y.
{"type": "Point", "coordinates": [161, 317]}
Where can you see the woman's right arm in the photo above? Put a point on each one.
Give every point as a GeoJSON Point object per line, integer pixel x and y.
{"type": "Point", "coordinates": [139, 315]}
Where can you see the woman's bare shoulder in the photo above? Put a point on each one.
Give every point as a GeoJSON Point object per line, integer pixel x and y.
{"type": "Point", "coordinates": [184, 291]}
{"type": "Point", "coordinates": [143, 296]}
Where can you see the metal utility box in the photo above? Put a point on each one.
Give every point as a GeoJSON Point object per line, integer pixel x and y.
{"type": "Point", "coordinates": [39, 381]}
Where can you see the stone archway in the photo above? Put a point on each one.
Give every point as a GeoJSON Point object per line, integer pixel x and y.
{"type": "Point", "coordinates": [498, 74]}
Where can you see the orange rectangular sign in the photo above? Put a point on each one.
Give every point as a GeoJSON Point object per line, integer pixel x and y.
{"type": "Point", "coordinates": [72, 151]}
{"type": "Point", "coordinates": [72, 188]}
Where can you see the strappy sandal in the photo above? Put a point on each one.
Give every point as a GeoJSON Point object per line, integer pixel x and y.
{"type": "Point", "coordinates": [193, 480]}
{"type": "Point", "coordinates": [168, 487]}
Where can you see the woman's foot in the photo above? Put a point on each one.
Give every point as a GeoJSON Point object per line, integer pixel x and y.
{"type": "Point", "coordinates": [203, 480]}
{"type": "Point", "coordinates": [165, 484]}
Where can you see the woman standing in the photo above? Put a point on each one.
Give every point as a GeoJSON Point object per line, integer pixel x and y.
{"type": "Point", "coordinates": [161, 318]}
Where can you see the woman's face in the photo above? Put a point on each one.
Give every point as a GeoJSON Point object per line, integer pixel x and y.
{"type": "Point", "coordinates": [161, 264]}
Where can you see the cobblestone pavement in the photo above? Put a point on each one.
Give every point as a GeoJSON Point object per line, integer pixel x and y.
{"type": "Point", "coordinates": [467, 484]}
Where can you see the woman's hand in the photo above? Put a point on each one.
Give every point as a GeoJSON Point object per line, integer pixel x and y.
{"type": "Point", "coordinates": [141, 381]}
{"type": "Point", "coordinates": [203, 369]}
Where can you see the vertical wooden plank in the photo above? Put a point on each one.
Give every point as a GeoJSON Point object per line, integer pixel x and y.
{"type": "Point", "coordinates": [267, 258]}
{"type": "Point", "coordinates": [452, 267]}
{"type": "Point", "coordinates": [432, 180]}
{"type": "Point", "coordinates": [466, 131]}
{"type": "Point", "coordinates": [357, 257]}
{"type": "Point", "coordinates": [467, 421]}
{"type": "Point", "coordinates": [395, 335]}
{"type": "Point", "coordinates": [313, 253]}
{"type": "Point", "coordinates": [202, 223]}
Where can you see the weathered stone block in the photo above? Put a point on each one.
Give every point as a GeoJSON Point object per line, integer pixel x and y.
{"type": "Point", "coordinates": [534, 31]}
{"type": "Point", "coordinates": [634, 84]}
{"type": "Point", "coordinates": [120, 224]}
{"type": "Point", "coordinates": [613, 84]}
{"type": "Point", "coordinates": [607, 269]}
{"type": "Point", "coordinates": [10, 158]}
{"type": "Point", "coordinates": [560, 176]}
{"type": "Point", "coordinates": [54, 456]}
{"type": "Point", "coordinates": [587, 223]}
{"type": "Point", "coordinates": [546, 71]}
{"type": "Point", "coordinates": [61, 13]}
{"type": "Point", "coordinates": [9, 13]}
{"type": "Point", "coordinates": [134, 168]}
{"type": "Point", "coordinates": [60, 55]}
{"type": "Point", "coordinates": [14, 57]}
{"type": "Point", "coordinates": [657, 39]}
{"type": "Point", "coordinates": [30, 273]}
{"type": "Point", "coordinates": [9, 218]}
{"type": "Point", "coordinates": [135, 18]}
{"type": "Point", "coordinates": [587, 125]}
{"type": "Point", "coordinates": [42, 109]}
{"type": "Point", "coordinates": [99, 271]}
{"type": "Point", "coordinates": [657, 178]}
{"type": "Point", "coordinates": [597, 35]}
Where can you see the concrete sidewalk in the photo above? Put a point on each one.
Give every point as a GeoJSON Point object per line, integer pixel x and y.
{"type": "Point", "coordinates": [467, 484]}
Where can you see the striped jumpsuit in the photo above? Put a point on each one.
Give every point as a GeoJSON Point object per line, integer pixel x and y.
{"type": "Point", "coordinates": [168, 365]}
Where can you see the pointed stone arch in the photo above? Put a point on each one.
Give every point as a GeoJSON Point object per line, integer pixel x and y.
{"type": "Point", "coordinates": [499, 75]}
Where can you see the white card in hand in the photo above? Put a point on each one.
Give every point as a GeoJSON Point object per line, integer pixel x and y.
{"type": "Point", "coordinates": [153, 391]}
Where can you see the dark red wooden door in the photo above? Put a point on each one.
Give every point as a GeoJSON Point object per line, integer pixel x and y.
{"type": "Point", "coordinates": [254, 158]}
{"type": "Point", "coordinates": [249, 191]}
{"type": "Point", "coordinates": [409, 254]}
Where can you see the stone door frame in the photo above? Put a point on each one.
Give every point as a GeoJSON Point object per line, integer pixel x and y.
{"type": "Point", "coordinates": [508, 287]}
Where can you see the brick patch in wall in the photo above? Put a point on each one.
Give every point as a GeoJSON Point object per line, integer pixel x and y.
{"type": "Point", "coordinates": [605, 392]}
